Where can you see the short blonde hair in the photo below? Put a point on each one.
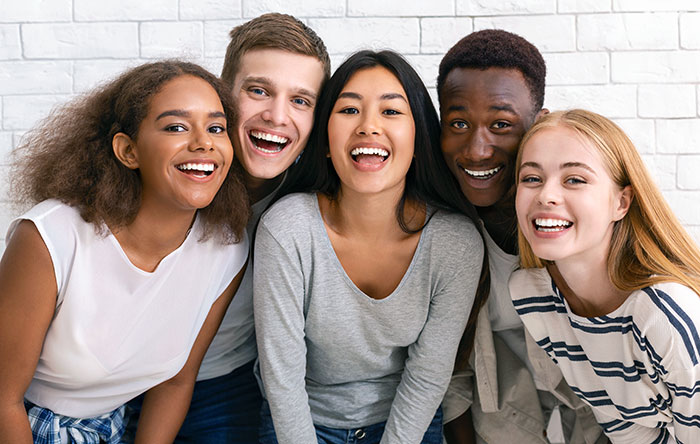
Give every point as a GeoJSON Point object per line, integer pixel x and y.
{"type": "Point", "coordinates": [649, 245]}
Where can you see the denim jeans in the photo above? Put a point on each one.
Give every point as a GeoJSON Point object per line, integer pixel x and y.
{"type": "Point", "coordinates": [370, 434]}
{"type": "Point", "coordinates": [224, 410]}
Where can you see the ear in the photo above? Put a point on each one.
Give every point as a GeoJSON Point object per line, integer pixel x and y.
{"type": "Point", "coordinates": [123, 148]}
{"type": "Point", "coordinates": [624, 201]}
{"type": "Point", "coordinates": [543, 112]}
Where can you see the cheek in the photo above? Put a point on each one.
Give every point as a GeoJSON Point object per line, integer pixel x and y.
{"type": "Point", "coordinates": [407, 137]}
{"type": "Point", "coordinates": [522, 202]}
{"type": "Point", "coordinates": [229, 152]}
{"type": "Point", "coordinates": [448, 144]}
{"type": "Point", "coordinates": [304, 123]}
{"type": "Point", "coordinates": [247, 108]}
{"type": "Point", "coordinates": [337, 134]}
{"type": "Point", "coordinates": [511, 151]}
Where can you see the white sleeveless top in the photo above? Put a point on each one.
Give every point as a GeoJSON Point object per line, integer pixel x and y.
{"type": "Point", "coordinates": [118, 330]}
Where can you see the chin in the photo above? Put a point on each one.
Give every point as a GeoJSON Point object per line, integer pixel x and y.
{"type": "Point", "coordinates": [479, 200]}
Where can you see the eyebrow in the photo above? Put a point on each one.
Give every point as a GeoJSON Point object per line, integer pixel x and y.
{"type": "Point", "coordinates": [266, 81]}
{"type": "Point", "coordinates": [534, 165]}
{"type": "Point", "coordinates": [577, 165]}
{"type": "Point", "coordinates": [387, 96]}
{"type": "Point", "coordinates": [183, 113]}
{"type": "Point", "coordinates": [537, 166]}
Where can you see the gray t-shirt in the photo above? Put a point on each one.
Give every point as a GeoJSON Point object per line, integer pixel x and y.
{"type": "Point", "coordinates": [331, 355]}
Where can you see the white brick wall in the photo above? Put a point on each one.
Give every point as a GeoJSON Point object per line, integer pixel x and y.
{"type": "Point", "coordinates": [637, 61]}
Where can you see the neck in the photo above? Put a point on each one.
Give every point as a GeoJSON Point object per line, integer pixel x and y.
{"type": "Point", "coordinates": [154, 233]}
{"type": "Point", "coordinates": [260, 188]}
{"type": "Point", "coordinates": [369, 216]}
{"type": "Point", "coordinates": [501, 226]}
{"type": "Point", "coordinates": [587, 288]}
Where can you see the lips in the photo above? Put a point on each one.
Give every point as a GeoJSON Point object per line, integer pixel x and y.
{"type": "Point", "coordinates": [482, 174]}
{"type": "Point", "coordinates": [369, 155]}
{"type": "Point", "coordinates": [197, 169]}
{"type": "Point", "coordinates": [268, 143]}
{"type": "Point", "coordinates": [551, 225]}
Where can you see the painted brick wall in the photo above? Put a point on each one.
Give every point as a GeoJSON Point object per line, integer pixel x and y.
{"type": "Point", "coordinates": [636, 61]}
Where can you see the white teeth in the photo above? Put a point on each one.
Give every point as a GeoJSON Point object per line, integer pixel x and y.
{"type": "Point", "coordinates": [485, 174]}
{"type": "Point", "coordinates": [548, 225]}
{"type": "Point", "coordinates": [370, 151]}
{"type": "Point", "coordinates": [196, 167]}
{"type": "Point", "coordinates": [273, 151]}
{"type": "Point", "coordinates": [268, 137]}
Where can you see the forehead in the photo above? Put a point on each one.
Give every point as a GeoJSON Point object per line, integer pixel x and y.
{"type": "Point", "coordinates": [281, 67]}
{"type": "Point", "coordinates": [374, 79]}
{"type": "Point", "coordinates": [558, 145]}
{"type": "Point", "coordinates": [184, 92]}
{"type": "Point", "coordinates": [476, 89]}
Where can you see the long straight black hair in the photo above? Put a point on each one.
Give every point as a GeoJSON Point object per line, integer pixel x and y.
{"type": "Point", "coordinates": [428, 179]}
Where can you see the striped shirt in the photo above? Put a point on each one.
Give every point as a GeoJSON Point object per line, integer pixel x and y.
{"type": "Point", "coordinates": [637, 367]}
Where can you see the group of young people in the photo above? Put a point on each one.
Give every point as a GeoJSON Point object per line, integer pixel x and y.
{"type": "Point", "coordinates": [413, 278]}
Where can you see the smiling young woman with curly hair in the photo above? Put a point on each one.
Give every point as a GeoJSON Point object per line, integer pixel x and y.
{"type": "Point", "coordinates": [116, 280]}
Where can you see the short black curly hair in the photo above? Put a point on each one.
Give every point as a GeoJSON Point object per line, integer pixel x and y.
{"type": "Point", "coordinates": [496, 48]}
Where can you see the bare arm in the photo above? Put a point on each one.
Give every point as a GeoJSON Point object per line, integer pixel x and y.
{"type": "Point", "coordinates": [165, 405]}
{"type": "Point", "coordinates": [27, 304]}
{"type": "Point", "coordinates": [460, 430]}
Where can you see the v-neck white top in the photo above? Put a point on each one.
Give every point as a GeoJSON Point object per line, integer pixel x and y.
{"type": "Point", "coordinates": [118, 330]}
{"type": "Point", "coordinates": [331, 355]}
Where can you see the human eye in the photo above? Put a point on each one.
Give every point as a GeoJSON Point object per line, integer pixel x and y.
{"type": "Point", "coordinates": [217, 129]}
{"type": "Point", "coordinates": [501, 125]}
{"type": "Point", "coordinates": [301, 101]}
{"type": "Point", "coordinates": [530, 179]}
{"type": "Point", "coordinates": [175, 128]}
{"type": "Point", "coordinates": [575, 180]}
{"type": "Point", "coordinates": [391, 112]}
{"type": "Point", "coordinates": [349, 110]}
{"type": "Point", "coordinates": [257, 91]}
{"type": "Point", "coordinates": [459, 124]}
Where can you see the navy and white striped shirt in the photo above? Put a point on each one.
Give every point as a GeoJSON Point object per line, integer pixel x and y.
{"type": "Point", "coordinates": [637, 367]}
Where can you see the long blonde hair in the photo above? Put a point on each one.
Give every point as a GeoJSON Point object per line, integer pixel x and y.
{"type": "Point", "coordinates": [649, 245]}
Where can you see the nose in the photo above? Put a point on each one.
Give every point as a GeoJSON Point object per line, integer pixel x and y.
{"type": "Point", "coordinates": [368, 125]}
{"type": "Point", "coordinates": [277, 112]}
{"type": "Point", "coordinates": [201, 140]}
{"type": "Point", "coordinates": [478, 146]}
{"type": "Point", "coordinates": [550, 193]}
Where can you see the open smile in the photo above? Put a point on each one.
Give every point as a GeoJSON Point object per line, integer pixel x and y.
{"type": "Point", "coordinates": [547, 225]}
{"type": "Point", "coordinates": [369, 156]}
{"type": "Point", "coordinates": [482, 174]}
{"type": "Point", "coordinates": [197, 169]}
{"type": "Point", "coordinates": [268, 143]}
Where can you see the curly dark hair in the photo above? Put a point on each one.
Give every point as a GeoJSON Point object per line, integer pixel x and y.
{"type": "Point", "coordinates": [500, 49]}
{"type": "Point", "coordinates": [69, 156]}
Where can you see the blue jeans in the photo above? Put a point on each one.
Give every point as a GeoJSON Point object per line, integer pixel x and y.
{"type": "Point", "coordinates": [370, 434]}
{"type": "Point", "coordinates": [224, 410]}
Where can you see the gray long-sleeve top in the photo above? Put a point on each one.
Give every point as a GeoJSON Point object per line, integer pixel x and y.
{"type": "Point", "coordinates": [331, 355]}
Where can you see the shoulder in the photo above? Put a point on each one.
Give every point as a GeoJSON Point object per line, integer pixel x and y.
{"type": "Point", "coordinates": [528, 282]}
{"type": "Point", "coordinates": [291, 211]}
{"type": "Point", "coordinates": [668, 315]}
{"type": "Point", "coordinates": [227, 255]}
{"type": "Point", "coordinates": [455, 231]}
{"type": "Point", "coordinates": [671, 302]}
{"type": "Point", "coordinates": [52, 218]}
{"type": "Point", "coordinates": [52, 209]}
